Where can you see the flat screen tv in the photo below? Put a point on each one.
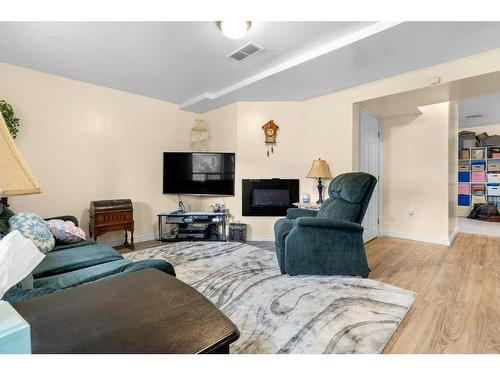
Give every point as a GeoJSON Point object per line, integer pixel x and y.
{"type": "Point", "coordinates": [203, 173]}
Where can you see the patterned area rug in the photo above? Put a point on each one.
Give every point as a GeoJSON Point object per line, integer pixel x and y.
{"type": "Point", "coordinates": [278, 313]}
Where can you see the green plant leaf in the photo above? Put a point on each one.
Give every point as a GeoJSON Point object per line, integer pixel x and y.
{"type": "Point", "coordinates": [10, 118]}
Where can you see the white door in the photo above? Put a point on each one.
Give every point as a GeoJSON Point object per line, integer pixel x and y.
{"type": "Point", "coordinates": [369, 131]}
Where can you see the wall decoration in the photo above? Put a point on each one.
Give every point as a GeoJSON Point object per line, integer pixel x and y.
{"type": "Point", "coordinates": [270, 133]}
{"type": "Point", "coordinates": [199, 136]}
{"type": "Point", "coordinates": [10, 118]}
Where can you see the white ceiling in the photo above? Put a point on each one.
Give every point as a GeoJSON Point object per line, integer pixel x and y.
{"type": "Point", "coordinates": [186, 63]}
{"type": "Point", "coordinates": [486, 105]}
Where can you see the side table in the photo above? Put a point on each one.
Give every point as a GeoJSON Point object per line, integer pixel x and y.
{"type": "Point", "coordinates": [308, 206]}
{"type": "Point", "coordinates": [14, 331]}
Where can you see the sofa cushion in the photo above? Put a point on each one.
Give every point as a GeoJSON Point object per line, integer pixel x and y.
{"type": "Point", "coordinates": [350, 187]}
{"type": "Point", "coordinates": [33, 227]}
{"type": "Point", "coordinates": [91, 274]}
{"type": "Point", "coordinates": [75, 258]}
{"type": "Point", "coordinates": [80, 276]}
{"type": "Point", "coordinates": [339, 209]}
{"type": "Point", "coordinates": [5, 215]}
{"type": "Point", "coordinates": [100, 271]}
{"type": "Point", "coordinates": [62, 246]}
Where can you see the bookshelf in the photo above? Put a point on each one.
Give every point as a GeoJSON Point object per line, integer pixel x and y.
{"type": "Point", "coordinates": [478, 176]}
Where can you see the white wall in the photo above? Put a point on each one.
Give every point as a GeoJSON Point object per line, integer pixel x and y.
{"type": "Point", "coordinates": [85, 142]}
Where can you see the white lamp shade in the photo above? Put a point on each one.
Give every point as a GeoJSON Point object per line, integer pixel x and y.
{"type": "Point", "coordinates": [319, 169]}
{"type": "Point", "coordinates": [15, 176]}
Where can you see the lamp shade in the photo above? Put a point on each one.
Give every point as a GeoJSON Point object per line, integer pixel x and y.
{"type": "Point", "coordinates": [319, 169]}
{"type": "Point", "coordinates": [15, 176]}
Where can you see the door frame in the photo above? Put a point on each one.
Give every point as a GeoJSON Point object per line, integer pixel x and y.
{"type": "Point", "coordinates": [380, 161]}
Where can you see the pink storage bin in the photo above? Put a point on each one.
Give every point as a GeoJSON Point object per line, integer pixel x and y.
{"type": "Point", "coordinates": [464, 189]}
{"type": "Point", "coordinates": [478, 176]}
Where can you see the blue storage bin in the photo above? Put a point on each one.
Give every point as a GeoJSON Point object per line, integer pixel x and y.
{"type": "Point", "coordinates": [463, 176]}
{"type": "Point", "coordinates": [478, 162]}
{"type": "Point", "coordinates": [464, 200]}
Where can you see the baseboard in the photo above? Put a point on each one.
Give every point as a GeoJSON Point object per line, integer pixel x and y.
{"type": "Point", "coordinates": [418, 237]}
{"type": "Point", "coordinates": [137, 239]}
{"type": "Point", "coordinates": [149, 237]}
{"type": "Point", "coordinates": [260, 238]}
{"type": "Point", "coordinates": [453, 235]}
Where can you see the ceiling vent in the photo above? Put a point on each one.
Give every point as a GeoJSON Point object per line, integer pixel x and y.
{"type": "Point", "coordinates": [245, 52]}
{"type": "Point", "coordinates": [473, 116]}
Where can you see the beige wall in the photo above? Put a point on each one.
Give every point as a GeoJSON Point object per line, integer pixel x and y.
{"type": "Point", "coordinates": [84, 142]}
{"type": "Point", "coordinates": [328, 129]}
{"type": "Point", "coordinates": [415, 173]}
{"type": "Point", "coordinates": [237, 128]}
{"type": "Point", "coordinates": [94, 125]}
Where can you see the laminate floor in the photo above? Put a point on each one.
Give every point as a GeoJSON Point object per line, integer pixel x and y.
{"type": "Point", "coordinates": [457, 309]}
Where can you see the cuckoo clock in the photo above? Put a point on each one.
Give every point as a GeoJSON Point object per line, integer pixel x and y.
{"type": "Point", "coordinates": [270, 133]}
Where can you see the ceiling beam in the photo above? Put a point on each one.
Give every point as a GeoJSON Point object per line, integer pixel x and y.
{"type": "Point", "coordinates": [297, 60]}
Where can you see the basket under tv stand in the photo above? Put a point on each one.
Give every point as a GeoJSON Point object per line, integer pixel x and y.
{"type": "Point", "coordinates": [192, 226]}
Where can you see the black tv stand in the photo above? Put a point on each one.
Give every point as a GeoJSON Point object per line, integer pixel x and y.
{"type": "Point", "coordinates": [192, 226]}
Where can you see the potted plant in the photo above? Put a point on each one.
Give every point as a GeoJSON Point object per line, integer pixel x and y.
{"type": "Point", "coordinates": [10, 118]}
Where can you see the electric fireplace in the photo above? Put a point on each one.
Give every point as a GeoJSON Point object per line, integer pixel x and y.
{"type": "Point", "coordinates": [270, 197]}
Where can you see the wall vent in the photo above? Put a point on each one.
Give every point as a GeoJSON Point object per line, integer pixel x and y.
{"type": "Point", "coordinates": [245, 52]}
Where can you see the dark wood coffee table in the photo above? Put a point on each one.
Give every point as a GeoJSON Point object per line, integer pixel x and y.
{"type": "Point", "coordinates": [141, 312]}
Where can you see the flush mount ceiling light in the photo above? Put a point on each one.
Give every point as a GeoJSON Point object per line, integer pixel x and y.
{"type": "Point", "coordinates": [234, 29]}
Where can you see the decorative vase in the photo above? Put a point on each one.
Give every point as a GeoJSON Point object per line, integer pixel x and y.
{"type": "Point", "coordinates": [306, 198]}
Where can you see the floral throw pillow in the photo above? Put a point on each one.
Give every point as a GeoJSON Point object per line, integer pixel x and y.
{"type": "Point", "coordinates": [65, 231]}
{"type": "Point", "coordinates": [33, 227]}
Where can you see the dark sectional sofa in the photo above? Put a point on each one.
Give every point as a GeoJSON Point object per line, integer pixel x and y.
{"type": "Point", "coordinates": [71, 265]}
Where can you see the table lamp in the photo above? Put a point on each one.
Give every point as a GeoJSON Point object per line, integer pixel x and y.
{"type": "Point", "coordinates": [319, 170]}
{"type": "Point", "coordinates": [15, 176]}
{"type": "Point", "coordinates": [15, 179]}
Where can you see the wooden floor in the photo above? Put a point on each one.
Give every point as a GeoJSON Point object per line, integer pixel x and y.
{"type": "Point", "coordinates": [457, 309]}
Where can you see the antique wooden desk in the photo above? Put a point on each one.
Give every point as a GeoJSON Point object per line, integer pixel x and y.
{"type": "Point", "coordinates": [111, 215]}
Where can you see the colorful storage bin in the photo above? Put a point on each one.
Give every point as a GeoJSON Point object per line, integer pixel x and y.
{"type": "Point", "coordinates": [494, 190]}
{"type": "Point", "coordinates": [464, 154]}
{"type": "Point", "coordinates": [476, 199]}
{"type": "Point", "coordinates": [493, 178]}
{"type": "Point", "coordinates": [478, 189]}
{"type": "Point", "coordinates": [493, 167]}
{"type": "Point", "coordinates": [478, 167]}
{"type": "Point", "coordinates": [463, 176]}
{"type": "Point", "coordinates": [478, 176]}
{"type": "Point", "coordinates": [464, 189]}
{"type": "Point", "coordinates": [464, 200]}
{"type": "Point", "coordinates": [477, 154]}
{"type": "Point", "coordinates": [464, 167]}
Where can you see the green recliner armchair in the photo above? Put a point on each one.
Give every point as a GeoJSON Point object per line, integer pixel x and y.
{"type": "Point", "coordinates": [328, 241]}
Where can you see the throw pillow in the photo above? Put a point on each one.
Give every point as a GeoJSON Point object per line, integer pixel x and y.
{"type": "Point", "coordinates": [65, 231]}
{"type": "Point", "coordinates": [18, 257]}
{"type": "Point", "coordinates": [33, 227]}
